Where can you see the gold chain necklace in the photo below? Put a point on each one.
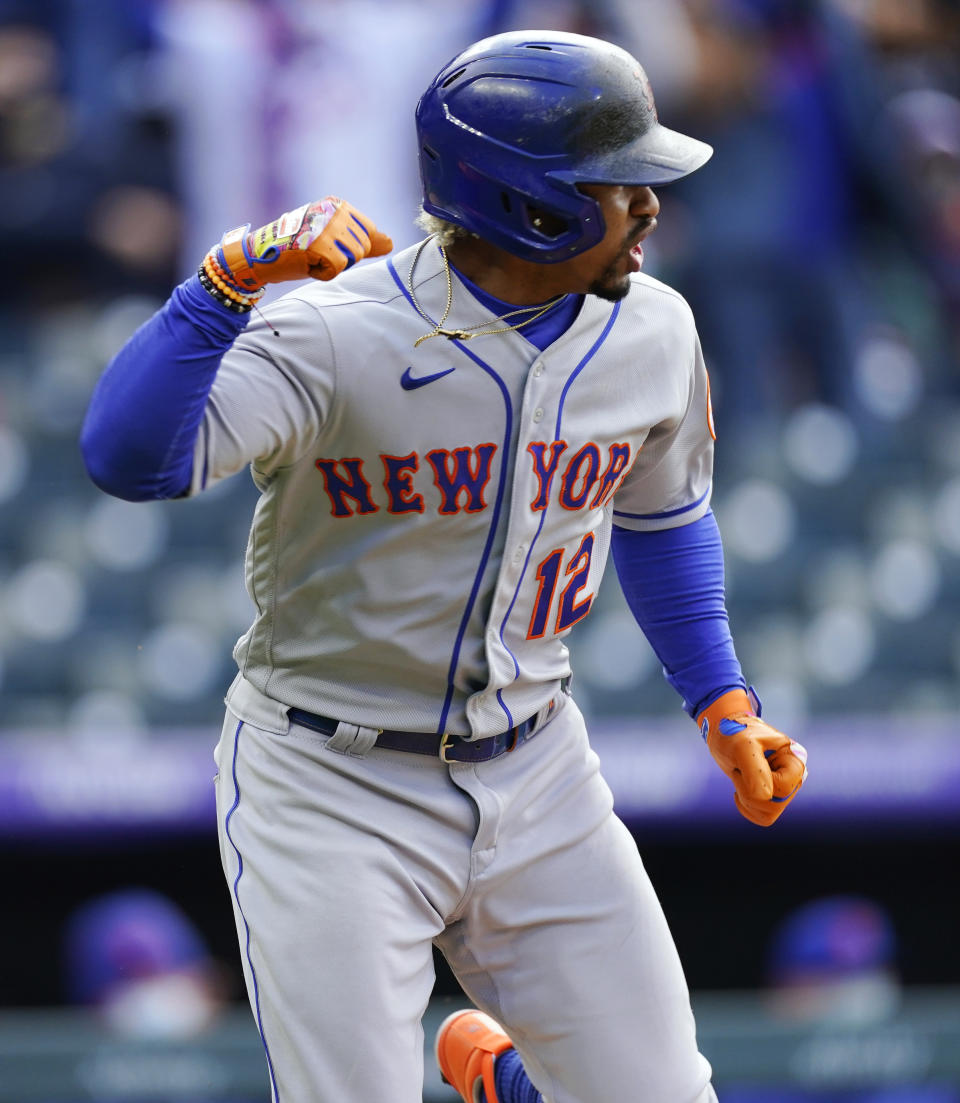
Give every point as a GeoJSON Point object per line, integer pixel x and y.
{"type": "Point", "coordinates": [478, 330]}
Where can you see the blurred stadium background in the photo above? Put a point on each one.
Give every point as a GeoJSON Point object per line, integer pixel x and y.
{"type": "Point", "coordinates": [820, 251]}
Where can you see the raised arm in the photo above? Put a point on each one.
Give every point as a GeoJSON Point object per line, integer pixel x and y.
{"type": "Point", "coordinates": [139, 436]}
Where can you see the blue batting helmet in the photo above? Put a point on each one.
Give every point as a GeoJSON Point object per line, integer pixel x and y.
{"type": "Point", "coordinates": [510, 127]}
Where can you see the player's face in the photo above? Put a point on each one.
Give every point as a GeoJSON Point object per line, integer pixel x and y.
{"type": "Point", "coordinates": [630, 215]}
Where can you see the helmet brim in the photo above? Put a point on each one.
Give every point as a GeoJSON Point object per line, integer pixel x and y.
{"type": "Point", "coordinates": [659, 156]}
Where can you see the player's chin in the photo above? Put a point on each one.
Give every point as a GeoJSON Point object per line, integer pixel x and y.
{"type": "Point", "coordinates": [610, 287]}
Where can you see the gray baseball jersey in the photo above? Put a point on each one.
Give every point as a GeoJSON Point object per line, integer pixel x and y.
{"type": "Point", "coordinates": [434, 520]}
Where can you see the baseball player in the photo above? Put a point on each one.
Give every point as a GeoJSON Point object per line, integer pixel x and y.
{"type": "Point", "coordinates": [447, 443]}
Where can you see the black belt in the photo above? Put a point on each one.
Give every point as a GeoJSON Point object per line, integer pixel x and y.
{"type": "Point", "coordinates": [450, 748]}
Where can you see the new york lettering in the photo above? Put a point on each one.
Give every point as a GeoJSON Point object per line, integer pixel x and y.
{"type": "Point", "coordinates": [586, 478]}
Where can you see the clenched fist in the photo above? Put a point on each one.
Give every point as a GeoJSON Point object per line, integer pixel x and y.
{"type": "Point", "coordinates": [766, 767]}
{"type": "Point", "coordinates": [317, 240]}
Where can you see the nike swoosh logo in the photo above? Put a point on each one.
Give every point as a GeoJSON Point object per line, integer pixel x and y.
{"type": "Point", "coordinates": [410, 382]}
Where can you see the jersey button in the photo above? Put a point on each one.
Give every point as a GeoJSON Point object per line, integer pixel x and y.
{"type": "Point", "coordinates": [538, 413]}
{"type": "Point", "coordinates": [537, 370]}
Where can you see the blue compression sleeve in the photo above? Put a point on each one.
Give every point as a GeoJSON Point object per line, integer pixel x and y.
{"type": "Point", "coordinates": [673, 583]}
{"type": "Point", "coordinates": [142, 423]}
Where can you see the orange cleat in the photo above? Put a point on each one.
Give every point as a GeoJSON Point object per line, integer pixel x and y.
{"type": "Point", "coordinates": [467, 1043]}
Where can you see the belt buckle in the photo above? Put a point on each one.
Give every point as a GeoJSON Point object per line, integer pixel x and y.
{"type": "Point", "coordinates": [445, 743]}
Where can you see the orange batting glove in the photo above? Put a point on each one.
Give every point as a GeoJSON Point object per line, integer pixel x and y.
{"type": "Point", "coordinates": [317, 240]}
{"type": "Point", "coordinates": [766, 767]}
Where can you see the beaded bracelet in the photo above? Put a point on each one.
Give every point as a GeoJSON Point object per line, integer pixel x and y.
{"type": "Point", "coordinates": [221, 281]}
{"type": "Point", "coordinates": [221, 297]}
{"type": "Point", "coordinates": [217, 272]}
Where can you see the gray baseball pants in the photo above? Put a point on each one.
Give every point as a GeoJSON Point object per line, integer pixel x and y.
{"type": "Point", "coordinates": [347, 865]}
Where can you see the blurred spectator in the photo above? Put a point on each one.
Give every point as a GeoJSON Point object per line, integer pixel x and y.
{"type": "Point", "coordinates": [136, 959]}
{"type": "Point", "coordinates": [833, 960]}
{"type": "Point", "coordinates": [776, 246]}
{"type": "Point", "coordinates": [833, 971]}
{"type": "Point", "coordinates": [324, 105]}
{"type": "Point", "coordinates": [86, 197]}
{"type": "Point", "coordinates": [926, 124]}
{"type": "Point", "coordinates": [772, 277]}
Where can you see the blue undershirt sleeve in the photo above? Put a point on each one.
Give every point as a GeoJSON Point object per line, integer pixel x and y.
{"type": "Point", "coordinates": [141, 427]}
{"type": "Point", "coordinates": [673, 582]}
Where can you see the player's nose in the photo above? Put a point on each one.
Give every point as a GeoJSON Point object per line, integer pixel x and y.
{"type": "Point", "coordinates": [644, 203]}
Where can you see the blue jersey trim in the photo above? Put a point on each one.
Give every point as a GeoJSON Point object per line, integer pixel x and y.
{"type": "Point", "coordinates": [491, 533]}
{"type": "Point", "coordinates": [502, 703]}
{"type": "Point", "coordinates": [666, 513]}
{"type": "Point", "coordinates": [236, 896]}
{"type": "Point", "coordinates": [583, 363]}
{"type": "Point", "coordinates": [556, 436]}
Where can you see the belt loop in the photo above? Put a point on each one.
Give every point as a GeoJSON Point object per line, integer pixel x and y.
{"type": "Point", "coordinates": [546, 712]}
{"type": "Point", "coordinates": [352, 739]}
{"type": "Point", "coordinates": [551, 708]}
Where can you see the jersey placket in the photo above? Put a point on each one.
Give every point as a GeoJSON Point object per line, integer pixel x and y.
{"type": "Point", "coordinates": [538, 409]}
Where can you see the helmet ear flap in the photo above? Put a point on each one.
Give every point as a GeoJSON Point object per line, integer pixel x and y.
{"type": "Point", "coordinates": [554, 226]}
{"type": "Point", "coordinates": [546, 222]}
{"type": "Point", "coordinates": [537, 219]}
{"type": "Point", "coordinates": [562, 222]}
